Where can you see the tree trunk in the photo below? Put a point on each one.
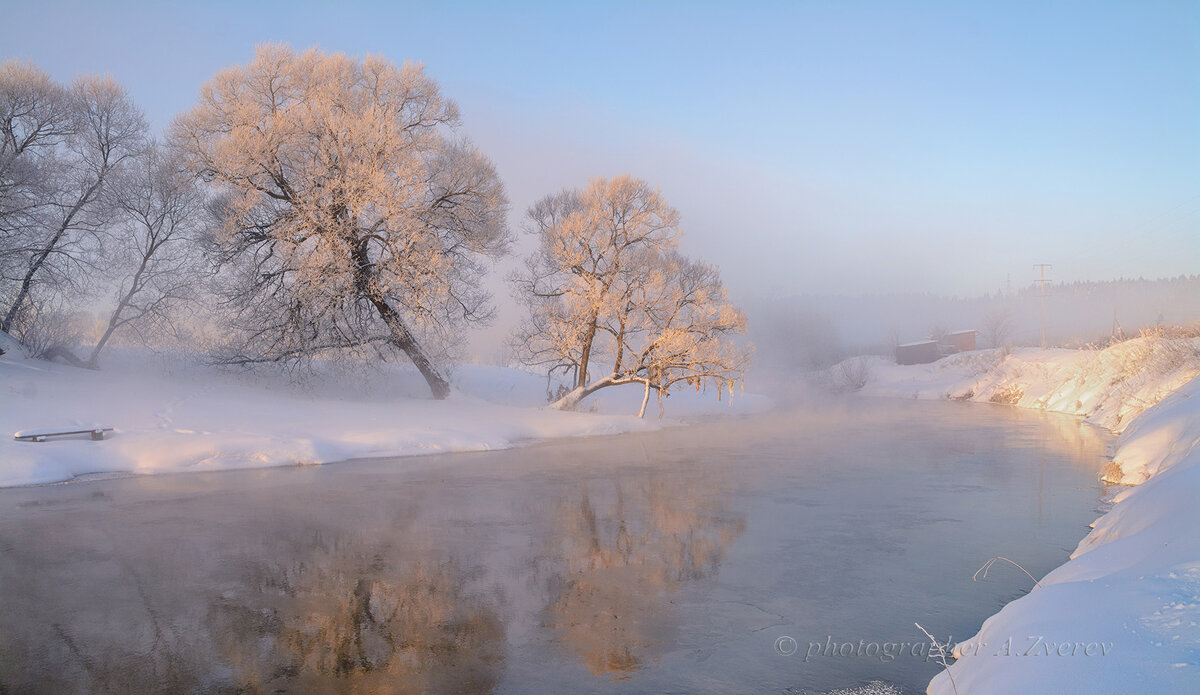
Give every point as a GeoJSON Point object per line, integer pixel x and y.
{"type": "Point", "coordinates": [645, 400]}
{"type": "Point", "coordinates": [570, 400]}
{"type": "Point", "coordinates": [403, 339]}
{"type": "Point", "coordinates": [93, 360]}
{"type": "Point", "coordinates": [577, 394]}
{"type": "Point", "coordinates": [585, 356]}
{"type": "Point", "coordinates": [27, 282]}
{"type": "Point", "coordinates": [401, 336]}
{"type": "Point", "coordinates": [114, 320]}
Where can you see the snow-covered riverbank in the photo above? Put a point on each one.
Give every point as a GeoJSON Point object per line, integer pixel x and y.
{"type": "Point", "coordinates": [173, 415]}
{"type": "Point", "coordinates": [1123, 615]}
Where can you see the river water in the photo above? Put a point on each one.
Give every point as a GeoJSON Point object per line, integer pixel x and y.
{"type": "Point", "coordinates": [790, 552]}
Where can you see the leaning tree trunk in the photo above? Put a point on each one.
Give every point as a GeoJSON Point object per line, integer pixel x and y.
{"type": "Point", "coordinates": [401, 336]}
{"type": "Point", "coordinates": [403, 339]}
{"type": "Point", "coordinates": [577, 394]}
{"type": "Point", "coordinates": [114, 320]}
{"type": "Point", "coordinates": [27, 281]}
{"type": "Point", "coordinates": [93, 360]}
{"type": "Point", "coordinates": [36, 265]}
{"type": "Point", "coordinates": [571, 398]}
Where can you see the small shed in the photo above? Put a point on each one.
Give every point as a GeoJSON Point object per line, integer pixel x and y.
{"type": "Point", "coordinates": [923, 352]}
{"type": "Point", "coordinates": [959, 341]}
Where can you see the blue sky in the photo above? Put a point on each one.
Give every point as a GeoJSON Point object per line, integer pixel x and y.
{"type": "Point", "coordinates": [831, 147]}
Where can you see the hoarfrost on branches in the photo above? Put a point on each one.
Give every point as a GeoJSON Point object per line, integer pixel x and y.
{"type": "Point", "coordinates": [353, 216]}
{"type": "Point", "coordinates": [60, 147]}
{"type": "Point", "coordinates": [611, 301]}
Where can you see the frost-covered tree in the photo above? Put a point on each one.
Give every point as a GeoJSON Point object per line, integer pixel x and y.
{"type": "Point", "coordinates": [59, 148]}
{"type": "Point", "coordinates": [612, 302]}
{"type": "Point", "coordinates": [35, 118]}
{"type": "Point", "coordinates": [352, 213]}
{"type": "Point", "coordinates": [998, 325]}
{"type": "Point", "coordinates": [152, 256]}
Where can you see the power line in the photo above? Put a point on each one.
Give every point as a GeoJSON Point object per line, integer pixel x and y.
{"type": "Point", "coordinates": [1042, 282]}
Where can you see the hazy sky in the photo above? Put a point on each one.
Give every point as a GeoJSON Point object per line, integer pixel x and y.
{"type": "Point", "coordinates": [832, 147]}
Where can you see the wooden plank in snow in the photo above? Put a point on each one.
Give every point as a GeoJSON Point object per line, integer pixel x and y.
{"type": "Point", "coordinates": [41, 435]}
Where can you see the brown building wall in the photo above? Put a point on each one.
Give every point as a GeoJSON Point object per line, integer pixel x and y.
{"type": "Point", "coordinates": [918, 353]}
{"type": "Point", "coordinates": [961, 341]}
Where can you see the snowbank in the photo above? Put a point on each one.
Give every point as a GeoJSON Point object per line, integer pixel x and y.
{"type": "Point", "coordinates": [1123, 615]}
{"type": "Point", "coordinates": [1109, 387]}
{"type": "Point", "coordinates": [173, 415]}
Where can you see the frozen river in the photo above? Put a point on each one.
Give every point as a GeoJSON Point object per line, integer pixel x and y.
{"type": "Point", "coordinates": [737, 556]}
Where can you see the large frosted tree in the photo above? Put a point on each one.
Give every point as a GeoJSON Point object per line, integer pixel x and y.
{"type": "Point", "coordinates": [352, 214]}
{"type": "Point", "coordinates": [612, 302]}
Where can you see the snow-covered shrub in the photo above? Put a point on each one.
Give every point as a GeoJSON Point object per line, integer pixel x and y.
{"type": "Point", "coordinates": [852, 374]}
{"type": "Point", "coordinates": [45, 331]}
{"type": "Point", "coordinates": [1151, 356]}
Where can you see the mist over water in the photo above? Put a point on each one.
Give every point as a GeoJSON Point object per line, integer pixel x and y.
{"type": "Point", "coordinates": [664, 562]}
{"type": "Point", "coordinates": [735, 199]}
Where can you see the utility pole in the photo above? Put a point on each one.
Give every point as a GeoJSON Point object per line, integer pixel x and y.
{"type": "Point", "coordinates": [1042, 282]}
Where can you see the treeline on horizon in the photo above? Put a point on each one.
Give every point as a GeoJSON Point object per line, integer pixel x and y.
{"type": "Point", "coordinates": [814, 331]}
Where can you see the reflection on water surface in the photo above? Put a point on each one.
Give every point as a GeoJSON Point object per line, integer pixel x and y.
{"type": "Point", "coordinates": [666, 562]}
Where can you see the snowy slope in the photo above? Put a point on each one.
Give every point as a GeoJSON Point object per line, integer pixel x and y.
{"type": "Point", "coordinates": [173, 415]}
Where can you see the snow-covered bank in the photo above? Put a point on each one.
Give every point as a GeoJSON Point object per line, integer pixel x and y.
{"type": "Point", "coordinates": [172, 415]}
{"type": "Point", "coordinates": [1123, 615]}
{"type": "Point", "coordinates": [1108, 387]}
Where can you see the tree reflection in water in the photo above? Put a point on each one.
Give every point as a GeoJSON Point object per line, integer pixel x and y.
{"type": "Point", "coordinates": [392, 587]}
{"type": "Point", "coordinates": [543, 570]}
{"type": "Point", "coordinates": [625, 547]}
{"type": "Point", "coordinates": [345, 619]}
